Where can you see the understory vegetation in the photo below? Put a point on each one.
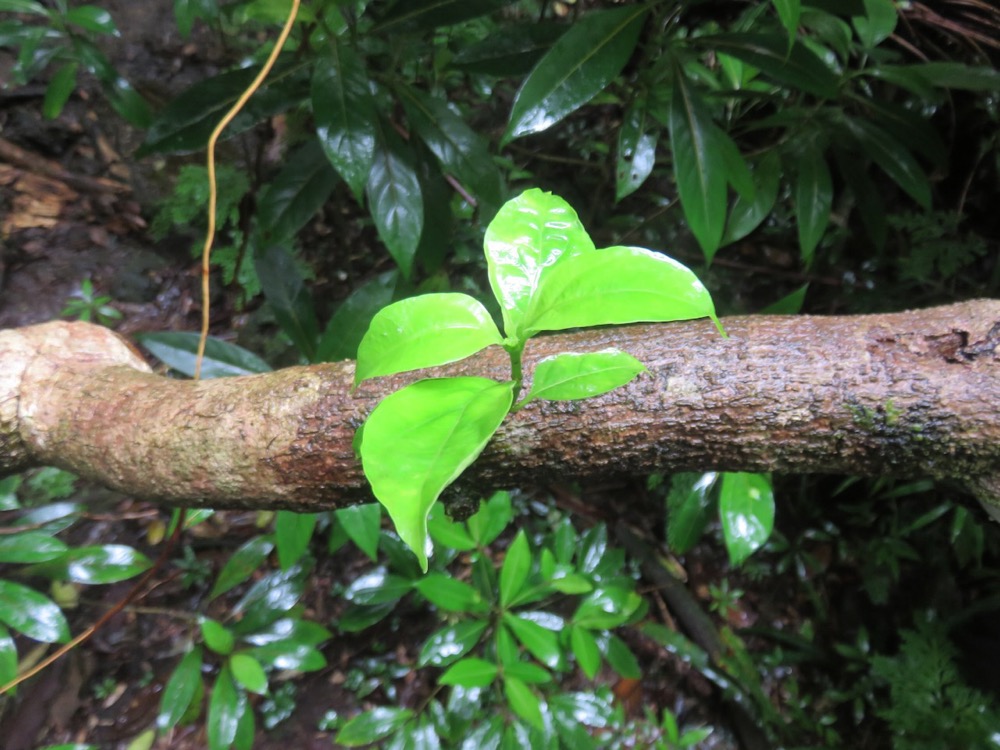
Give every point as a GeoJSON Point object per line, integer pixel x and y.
{"type": "Point", "coordinates": [798, 156]}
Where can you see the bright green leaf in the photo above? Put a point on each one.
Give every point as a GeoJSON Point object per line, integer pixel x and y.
{"type": "Point", "coordinates": [584, 646]}
{"type": "Point", "coordinates": [528, 672]}
{"type": "Point", "coordinates": [30, 547]}
{"type": "Point", "coordinates": [362, 524]}
{"type": "Point", "coordinates": [813, 199]}
{"type": "Point", "coordinates": [92, 18]}
{"type": "Point", "coordinates": [8, 657]}
{"type": "Point", "coordinates": [516, 566]}
{"type": "Point", "coordinates": [746, 509]}
{"type": "Point", "coordinates": [248, 672]}
{"type": "Point", "coordinates": [614, 286]}
{"type": "Point", "coordinates": [225, 708]}
{"type": "Point", "coordinates": [470, 673]}
{"type": "Point", "coordinates": [540, 642]}
{"type": "Point", "coordinates": [424, 331]}
{"type": "Point", "coordinates": [178, 350]}
{"type": "Point", "coordinates": [572, 375]}
{"type": "Point", "coordinates": [451, 594]}
{"type": "Point", "coordinates": [180, 690]}
{"type": "Point", "coordinates": [448, 533]}
{"type": "Point", "coordinates": [292, 533]}
{"type": "Point", "coordinates": [621, 658]}
{"type": "Point", "coordinates": [606, 608]}
{"type": "Point", "coordinates": [491, 519]}
{"type": "Point", "coordinates": [524, 702]}
{"type": "Point", "coordinates": [241, 563]}
{"type": "Point", "coordinates": [578, 66]}
{"type": "Point", "coordinates": [418, 440]}
{"type": "Point", "coordinates": [217, 636]}
{"type": "Point", "coordinates": [108, 563]}
{"type": "Point", "coordinates": [372, 726]}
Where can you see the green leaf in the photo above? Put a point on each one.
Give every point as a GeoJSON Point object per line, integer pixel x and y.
{"type": "Point", "coordinates": [395, 199]}
{"type": "Point", "coordinates": [798, 68]}
{"type": "Point", "coordinates": [606, 608]}
{"type": "Point", "coordinates": [528, 672]}
{"type": "Point", "coordinates": [348, 325]}
{"type": "Point", "coordinates": [362, 524]}
{"type": "Point", "coordinates": [30, 547]}
{"type": "Point", "coordinates": [895, 160]}
{"type": "Point", "coordinates": [689, 506]}
{"type": "Point", "coordinates": [789, 12]}
{"type": "Point", "coordinates": [699, 166]}
{"type": "Point", "coordinates": [424, 331]}
{"type": "Point", "coordinates": [953, 75]}
{"type": "Point", "coordinates": [470, 673]}
{"type": "Point", "coordinates": [617, 285]}
{"type": "Point", "coordinates": [293, 532]}
{"type": "Point", "coordinates": [23, 6]}
{"type": "Point", "coordinates": [747, 214]}
{"type": "Point", "coordinates": [248, 672]}
{"type": "Point", "coordinates": [524, 702]}
{"type": "Point", "coordinates": [225, 709]}
{"type": "Point", "coordinates": [26, 611]}
{"type": "Point", "coordinates": [346, 113]}
{"type": "Point", "coordinates": [418, 440]}
{"type": "Point", "coordinates": [790, 304]}
{"type": "Point", "coordinates": [217, 636]}
{"type": "Point", "coordinates": [540, 642]}
{"type": "Point", "coordinates": [423, 15]}
{"type": "Point", "coordinates": [510, 50]}
{"type": "Point", "coordinates": [584, 646]}
{"type": "Point", "coordinates": [58, 91]}
{"type": "Point", "coordinates": [451, 594]}
{"type": "Point", "coordinates": [528, 235]}
{"type": "Point", "coordinates": [372, 726]}
{"type": "Point", "coordinates": [180, 690]}
{"type": "Point", "coordinates": [569, 376]}
{"type": "Point", "coordinates": [746, 509]}
{"type": "Point", "coordinates": [378, 587]}
{"type": "Point", "coordinates": [461, 151]}
{"type": "Point", "coordinates": [284, 288]}
{"type": "Point", "coordinates": [867, 197]}
{"type": "Point", "coordinates": [578, 66]}
{"type": "Point", "coordinates": [636, 155]}
{"type": "Point", "coordinates": [244, 561]}
{"type": "Point", "coordinates": [877, 24]}
{"type": "Point", "coordinates": [108, 563]}
{"type": "Point", "coordinates": [813, 199]}
{"type": "Point", "coordinates": [8, 657]}
{"type": "Point", "coordinates": [451, 643]}
{"type": "Point", "coordinates": [516, 566]}
{"type": "Point", "coordinates": [92, 18]}
{"type": "Point", "coordinates": [186, 12]}
{"type": "Point", "coordinates": [178, 350]}
{"type": "Point", "coordinates": [621, 658]}
{"type": "Point", "coordinates": [448, 533]}
{"type": "Point", "coordinates": [296, 193]}
{"type": "Point", "coordinates": [491, 519]}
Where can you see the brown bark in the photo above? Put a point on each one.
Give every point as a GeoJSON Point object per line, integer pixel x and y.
{"type": "Point", "coordinates": [913, 393]}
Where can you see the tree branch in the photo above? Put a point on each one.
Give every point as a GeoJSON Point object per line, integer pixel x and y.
{"type": "Point", "coordinates": [913, 393]}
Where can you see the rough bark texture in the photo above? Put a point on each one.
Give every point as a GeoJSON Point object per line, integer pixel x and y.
{"type": "Point", "coordinates": [913, 393]}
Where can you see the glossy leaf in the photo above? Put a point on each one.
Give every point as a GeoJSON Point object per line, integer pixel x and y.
{"type": "Point", "coordinates": [423, 15]}
{"type": "Point", "coordinates": [636, 154]}
{"type": "Point", "coordinates": [617, 285]}
{"type": "Point", "coordinates": [578, 66]}
{"type": "Point", "coordinates": [451, 643]}
{"type": "Point", "coordinates": [528, 672]}
{"type": "Point", "coordinates": [470, 673]}
{"type": "Point", "coordinates": [746, 509]}
{"type": "Point", "coordinates": [378, 586]}
{"type": "Point", "coordinates": [8, 657]}
{"type": "Point", "coordinates": [180, 690]}
{"type": "Point", "coordinates": [418, 440]}
{"type": "Point", "coordinates": [296, 193]}
{"type": "Point", "coordinates": [511, 50]}
{"type": "Point", "coordinates": [345, 113]}
{"type": "Point", "coordinates": [798, 68]}
{"type": "Point", "coordinates": [540, 642]}
{"type": "Point", "coordinates": [813, 199]}
{"type": "Point", "coordinates": [59, 90]}
{"type": "Point", "coordinates": [92, 18]}
{"type": "Point", "coordinates": [448, 533]}
{"type": "Point", "coordinates": [292, 533]}
{"type": "Point", "coordinates": [877, 24]}
{"type": "Point", "coordinates": [461, 151]}
{"type": "Point", "coordinates": [621, 658]}
{"type": "Point", "coordinates": [225, 708]}
{"type": "Point", "coordinates": [747, 214]}
{"type": "Point", "coordinates": [424, 331]}
{"type": "Point", "coordinates": [606, 608]}
{"type": "Point", "coordinates": [363, 524]}
{"type": "Point", "coordinates": [23, 6]}
{"type": "Point", "coordinates": [25, 610]}
{"type": "Point", "coordinates": [699, 166]}
{"type": "Point", "coordinates": [569, 376]}
{"type": "Point", "coordinates": [689, 509]}
{"type": "Point", "coordinates": [372, 726]}
{"type": "Point", "coordinates": [347, 327]}
{"type": "Point", "coordinates": [953, 75]}
{"type": "Point", "coordinates": [284, 288]}
{"type": "Point", "coordinates": [584, 646]}
{"type": "Point", "coordinates": [269, 599]}
{"type": "Point", "coordinates": [515, 569]}
{"type": "Point", "coordinates": [178, 350]}
{"type": "Point", "coordinates": [523, 702]}
{"type": "Point", "coordinates": [894, 159]}
{"type": "Point", "coordinates": [450, 594]}
{"type": "Point", "coordinates": [106, 563]}
{"type": "Point", "coordinates": [241, 563]}
{"type": "Point", "coordinates": [30, 547]}
{"type": "Point", "coordinates": [491, 519]}
{"type": "Point", "coordinates": [217, 636]}
{"type": "Point", "coordinates": [248, 672]}
{"type": "Point", "coordinates": [529, 235]}
{"type": "Point", "coordinates": [395, 199]}
{"type": "Point", "coordinates": [789, 12]}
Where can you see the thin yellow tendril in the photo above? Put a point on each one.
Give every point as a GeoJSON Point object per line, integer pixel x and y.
{"type": "Point", "coordinates": [205, 269]}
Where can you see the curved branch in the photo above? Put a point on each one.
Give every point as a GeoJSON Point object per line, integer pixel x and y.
{"type": "Point", "coordinates": [913, 393]}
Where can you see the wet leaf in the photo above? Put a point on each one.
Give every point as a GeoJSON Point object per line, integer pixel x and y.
{"type": "Point", "coordinates": [30, 547]}
{"type": "Point", "coordinates": [510, 50]}
{"type": "Point", "coordinates": [448, 533]}
{"type": "Point", "coordinates": [92, 18]}
{"type": "Point", "coordinates": [451, 594]}
{"type": "Point", "coordinates": [540, 642]}
{"type": "Point", "coordinates": [106, 563]}
{"type": "Point", "coordinates": [363, 524]}
{"type": "Point", "coordinates": [470, 673]}
{"type": "Point", "coordinates": [579, 65]}
{"type": "Point", "coordinates": [747, 214]}
{"type": "Point", "coordinates": [746, 509]}
{"type": "Point", "coordinates": [491, 519]}
{"type": "Point", "coordinates": [813, 199]}
{"type": "Point", "coordinates": [451, 643]}
{"type": "Point", "coordinates": [568, 376]}
{"type": "Point", "coordinates": [606, 608]}
{"type": "Point", "coordinates": [217, 636]}
{"type": "Point", "coordinates": [614, 286]}
{"type": "Point", "coordinates": [178, 350]}
{"type": "Point", "coordinates": [180, 690]}
{"type": "Point", "coordinates": [248, 672]}
{"type": "Point", "coordinates": [584, 646]}
{"type": "Point", "coordinates": [8, 656]}
{"type": "Point", "coordinates": [424, 331]}
{"type": "Point", "coordinates": [516, 566]}
{"type": "Point", "coordinates": [283, 285]}
{"type": "Point", "coordinates": [244, 561]}
{"type": "Point", "coordinates": [395, 199]}
{"type": "Point", "coordinates": [293, 532]}
{"type": "Point", "coordinates": [527, 672]}
{"type": "Point", "coordinates": [225, 709]}
{"type": "Point", "coordinates": [523, 702]}
{"type": "Point", "coordinates": [418, 440]}
{"type": "Point", "coordinates": [636, 155]}
{"type": "Point", "coordinates": [689, 507]}
{"type": "Point", "coordinates": [296, 193]}
{"type": "Point", "coordinates": [423, 15]}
